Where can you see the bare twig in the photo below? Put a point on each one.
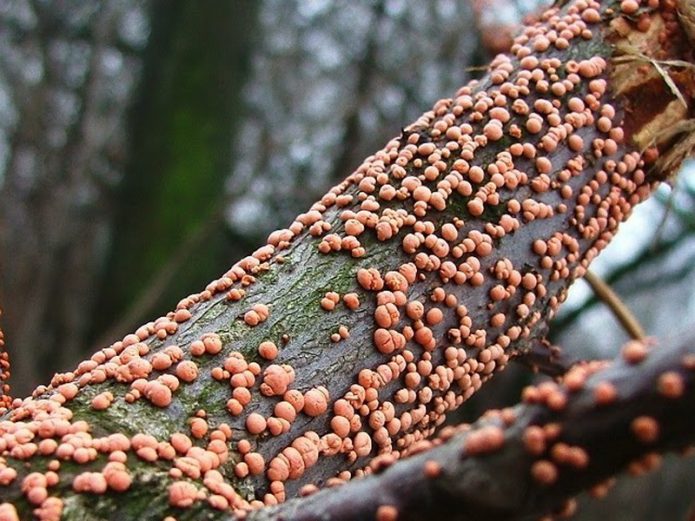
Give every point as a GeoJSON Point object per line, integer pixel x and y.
{"type": "Point", "coordinates": [668, 207]}
{"type": "Point", "coordinates": [621, 312]}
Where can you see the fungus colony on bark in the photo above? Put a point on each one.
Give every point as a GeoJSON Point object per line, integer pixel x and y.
{"type": "Point", "coordinates": [546, 449]}
{"type": "Point", "coordinates": [536, 141]}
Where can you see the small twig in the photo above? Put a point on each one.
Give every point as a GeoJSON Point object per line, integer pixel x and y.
{"type": "Point", "coordinates": [638, 56]}
{"type": "Point", "coordinates": [621, 312]}
{"type": "Point", "coordinates": [476, 68]}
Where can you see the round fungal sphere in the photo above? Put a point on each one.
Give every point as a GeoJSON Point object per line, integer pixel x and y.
{"type": "Point", "coordinates": [119, 480]}
{"type": "Point", "coordinates": [276, 379]}
{"type": "Point", "coordinates": [102, 401]}
{"type": "Point", "coordinates": [534, 125]}
{"type": "Point", "coordinates": [544, 165]}
{"type": "Point", "coordinates": [351, 301]}
{"type": "Point", "coordinates": [158, 393]}
{"type": "Point", "coordinates": [8, 512]}
{"type": "Point", "coordinates": [182, 494]}
{"type": "Point", "coordinates": [645, 429]}
{"type": "Point", "coordinates": [285, 410]}
{"type": "Point", "coordinates": [255, 423]}
{"type": "Point", "coordinates": [671, 385]}
{"type": "Point", "coordinates": [197, 348]}
{"type": "Point", "coordinates": [386, 513]}
{"type": "Point", "coordinates": [634, 352]}
{"type": "Point", "coordinates": [315, 402]}
{"type": "Point", "coordinates": [432, 469]}
{"type": "Point", "coordinates": [493, 131]}
{"type": "Point", "coordinates": [199, 427]}
{"type": "Point", "coordinates": [629, 6]}
{"type": "Point", "coordinates": [362, 444]}
{"type": "Point", "coordinates": [212, 343]}
{"type": "Point", "coordinates": [475, 207]}
{"type": "Point", "coordinates": [544, 472]}
{"type": "Point", "coordinates": [449, 232]}
{"type": "Point", "coordinates": [268, 350]}
{"type": "Point", "coordinates": [187, 371]}
{"type": "Point", "coordinates": [605, 393]}
{"type": "Point", "coordinates": [255, 463]}
{"type": "Point", "coordinates": [340, 425]}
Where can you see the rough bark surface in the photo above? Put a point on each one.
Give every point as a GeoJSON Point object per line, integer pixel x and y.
{"type": "Point", "coordinates": [528, 461]}
{"type": "Point", "coordinates": [353, 332]}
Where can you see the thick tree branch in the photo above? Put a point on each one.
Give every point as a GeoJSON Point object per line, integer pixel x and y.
{"type": "Point", "coordinates": [526, 462]}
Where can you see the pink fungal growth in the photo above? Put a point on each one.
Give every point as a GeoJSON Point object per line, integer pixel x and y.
{"type": "Point", "coordinates": [182, 494]}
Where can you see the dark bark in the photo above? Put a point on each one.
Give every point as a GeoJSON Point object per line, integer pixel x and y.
{"type": "Point", "coordinates": [453, 478]}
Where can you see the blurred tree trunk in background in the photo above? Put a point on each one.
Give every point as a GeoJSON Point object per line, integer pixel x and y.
{"type": "Point", "coordinates": [68, 76]}
{"type": "Point", "coordinates": [181, 130]}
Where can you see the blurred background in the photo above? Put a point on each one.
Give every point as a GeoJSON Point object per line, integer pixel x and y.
{"type": "Point", "coordinates": [145, 145]}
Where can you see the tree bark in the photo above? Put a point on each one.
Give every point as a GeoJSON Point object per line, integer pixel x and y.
{"type": "Point", "coordinates": [529, 461]}
{"type": "Point", "coordinates": [391, 301]}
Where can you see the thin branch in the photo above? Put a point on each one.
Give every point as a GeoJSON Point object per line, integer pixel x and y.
{"type": "Point", "coordinates": [163, 278]}
{"type": "Point", "coordinates": [661, 227]}
{"type": "Point", "coordinates": [621, 312]}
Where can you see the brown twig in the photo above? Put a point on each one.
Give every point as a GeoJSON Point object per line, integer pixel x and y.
{"type": "Point", "coordinates": [621, 312]}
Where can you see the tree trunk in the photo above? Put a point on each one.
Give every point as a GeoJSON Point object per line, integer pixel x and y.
{"type": "Point", "coordinates": [182, 127]}
{"type": "Point", "coordinates": [390, 302]}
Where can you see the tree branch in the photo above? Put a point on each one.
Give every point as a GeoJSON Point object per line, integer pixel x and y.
{"type": "Point", "coordinates": [530, 460]}
{"type": "Point", "coordinates": [620, 311]}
